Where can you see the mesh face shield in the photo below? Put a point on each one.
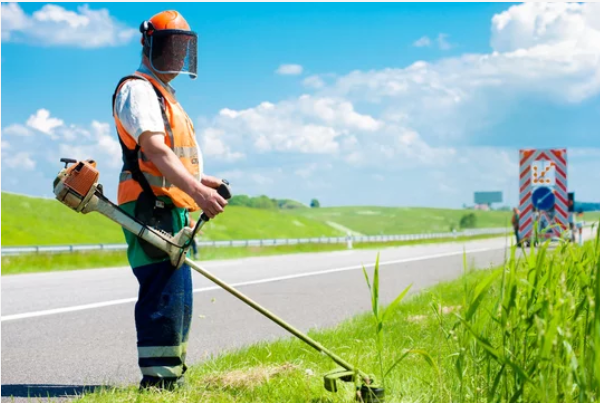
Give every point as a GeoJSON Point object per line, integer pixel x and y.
{"type": "Point", "coordinates": [173, 51]}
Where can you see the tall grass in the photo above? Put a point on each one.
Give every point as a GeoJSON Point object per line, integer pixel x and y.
{"type": "Point", "coordinates": [381, 316]}
{"type": "Point", "coordinates": [528, 331]}
{"type": "Point", "coordinates": [537, 338]}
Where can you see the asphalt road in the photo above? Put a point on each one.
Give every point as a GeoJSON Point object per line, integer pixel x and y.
{"type": "Point", "coordinates": [63, 331]}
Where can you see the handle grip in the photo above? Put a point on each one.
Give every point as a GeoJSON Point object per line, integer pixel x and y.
{"type": "Point", "coordinates": [67, 161]}
{"type": "Point", "coordinates": [224, 191]}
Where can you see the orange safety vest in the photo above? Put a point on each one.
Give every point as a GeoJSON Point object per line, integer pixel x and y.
{"type": "Point", "coordinates": [180, 137]}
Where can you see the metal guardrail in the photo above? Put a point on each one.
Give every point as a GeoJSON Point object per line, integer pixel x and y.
{"type": "Point", "coordinates": [22, 250]}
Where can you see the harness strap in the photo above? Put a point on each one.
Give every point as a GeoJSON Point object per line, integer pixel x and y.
{"type": "Point", "coordinates": [131, 157]}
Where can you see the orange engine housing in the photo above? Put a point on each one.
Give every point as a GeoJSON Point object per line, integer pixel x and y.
{"type": "Point", "coordinates": [81, 177]}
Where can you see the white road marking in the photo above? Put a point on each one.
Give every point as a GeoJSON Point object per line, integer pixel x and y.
{"type": "Point", "coordinates": [241, 284]}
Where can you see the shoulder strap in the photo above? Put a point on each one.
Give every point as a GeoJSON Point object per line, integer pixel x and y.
{"type": "Point", "coordinates": [161, 102]}
{"type": "Point", "coordinates": [159, 95]}
{"type": "Point", "coordinates": [131, 157]}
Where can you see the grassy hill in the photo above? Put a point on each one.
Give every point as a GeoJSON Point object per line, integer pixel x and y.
{"type": "Point", "coordinates": [400, 220]}
{"type": "Point", "coordinates": [36, 221]}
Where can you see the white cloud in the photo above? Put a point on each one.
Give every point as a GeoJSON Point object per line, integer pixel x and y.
{"type": "Point", "coordinates": [107, 143]}
{"type": "Point", "coordinates": [5, 145]}
{"type": "Point", "coordinates": [443, 43]}
{"type": "Point", "coordinates": [313, 82]}
{"type": "Point", "coordinates": [449, 99]}
{"type": "Point", "coordinates": [17, 130]}
{"type": "Point", "coordinates": [441, 40]}
{"type": "Point", "coordinates": [419, 113]}
{"type": "Point", "coordinates": [530, 25]}
{"type": "Point", "coordinates": [98, 144]}
{"type": "Point", "coordinates": [409, 126]}
{"type": "Point", "coordinates": [21, 160]}
{"type": "Point", "coordinates": [53, 25]}
{"type": "Point", "coordinates": [13, 19]}
{"type": "Point", "coordinates": [42, 122]}
{"type": "Point", "coordinates": [307, 124]}
{"type": "Point", "coordinates": [95, 141]}
{"type": "Point", "coordinates": [289, 69]}
{"type": "Point", "coordinates": [423, 41]}
{"type": "Point", "coordinates": [212, 145]}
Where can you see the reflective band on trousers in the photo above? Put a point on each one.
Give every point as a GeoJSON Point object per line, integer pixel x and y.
{"type": "Point", "coordinates": [163, 372]}
{"type": "Point", "coordinates": [156, 181]}
{"type": "Point", "coordinates": [161, 351]}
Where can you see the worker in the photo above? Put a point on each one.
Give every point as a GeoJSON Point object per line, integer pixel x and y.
{"type": "Point", "coordinates": [579, 224]}
{"type": "Point", "coordinates": [161, 180]}
{"type": "Point", "coordinates": [515, 223]}
{"type": "Point", "coordinates": [572, 225]}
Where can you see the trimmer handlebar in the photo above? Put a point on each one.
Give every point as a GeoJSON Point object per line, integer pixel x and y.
{"type": "Point", "coordinates": [224, 191]}
{"type": "Point", "coordinates": [68, 161]}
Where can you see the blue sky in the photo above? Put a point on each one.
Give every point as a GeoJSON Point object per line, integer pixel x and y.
{"type": "Point", "coordinates": [370, 104]}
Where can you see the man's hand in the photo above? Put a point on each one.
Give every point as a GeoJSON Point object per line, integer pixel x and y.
{"type": "Point", "coordinates": [211, 181]}
{"type": "Point", "coordinates": [209, 200]}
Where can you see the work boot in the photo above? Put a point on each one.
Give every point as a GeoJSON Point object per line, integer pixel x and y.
{"type": "Point", "coordinates": [169, 384]}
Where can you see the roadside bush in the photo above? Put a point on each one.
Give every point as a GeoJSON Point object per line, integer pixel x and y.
{"type": "Point", "coordinates": [468, 221]}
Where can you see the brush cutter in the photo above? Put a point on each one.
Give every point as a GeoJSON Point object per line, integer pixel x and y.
{"type": "Point", "coordinates": [77, 187]}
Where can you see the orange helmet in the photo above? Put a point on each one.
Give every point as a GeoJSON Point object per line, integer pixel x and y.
{"type": "Point", "coordinates": [169, 43]}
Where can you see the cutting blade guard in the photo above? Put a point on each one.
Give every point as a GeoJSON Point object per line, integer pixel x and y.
{"type": "Point", "coordinates": [366, 390]}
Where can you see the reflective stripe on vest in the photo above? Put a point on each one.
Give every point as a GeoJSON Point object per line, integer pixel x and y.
{"type": "Point", "coordinates": [154, 181]}
{"type": "Point", "coordinates": [181, 152]}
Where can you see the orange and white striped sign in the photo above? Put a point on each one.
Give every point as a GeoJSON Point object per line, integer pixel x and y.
{"type": "Point", "coordinates": [546, 168]}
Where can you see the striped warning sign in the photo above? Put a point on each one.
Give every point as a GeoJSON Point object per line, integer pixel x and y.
{"type": "Point", "coordinates": [543, 192]}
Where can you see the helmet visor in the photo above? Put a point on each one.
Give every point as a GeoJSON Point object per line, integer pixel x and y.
{"type": "Point", "coordinates": [173, 51]}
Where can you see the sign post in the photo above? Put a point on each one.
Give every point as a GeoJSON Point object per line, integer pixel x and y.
{"type": "Point", "coordinates": [543, 194]}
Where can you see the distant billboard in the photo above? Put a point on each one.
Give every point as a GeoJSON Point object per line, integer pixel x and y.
{"type": "Point", "coordinates": [488, 197]}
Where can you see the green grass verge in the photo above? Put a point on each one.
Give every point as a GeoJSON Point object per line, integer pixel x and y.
{"type": "Point", "coordinates": [401, 220]}
{"type": "Point", "coordinates": [45, 262]}
{"type": "Point", "coordinates": [527, 332]}
{"type": "Point", "coordinates": [406, 220]}
{"type": "Point", "coordinates": [37, 221]}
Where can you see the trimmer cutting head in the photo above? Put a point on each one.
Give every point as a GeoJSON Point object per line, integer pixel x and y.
{"type": "Point", "coordinates": [370, 394]}
{"type": "Point", "coordinates": [367, 390]}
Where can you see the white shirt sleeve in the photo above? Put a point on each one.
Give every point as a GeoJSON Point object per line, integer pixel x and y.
{"type": "Point", "coordinates": [137, 107]}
